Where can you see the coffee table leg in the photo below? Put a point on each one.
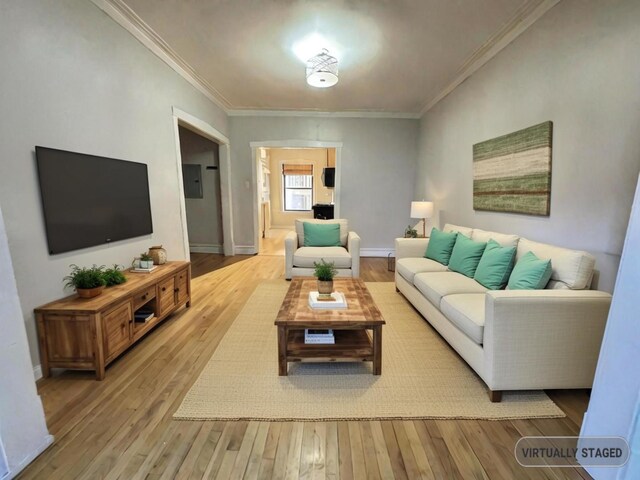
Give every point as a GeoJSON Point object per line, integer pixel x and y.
{"type": "Point", "coordinates": [282, 351]}
{"type": "Point", "coordinates": [377, 350]}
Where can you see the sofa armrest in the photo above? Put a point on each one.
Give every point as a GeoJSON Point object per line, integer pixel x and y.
{"type": "Point", "coordinates": [353, 246]}
{"type": "Point", "coordinates": [543, 338]}
{"type": "Point", "coordinates": [411, 247]}
{"type": "Point", "coordinates": [290, 246]}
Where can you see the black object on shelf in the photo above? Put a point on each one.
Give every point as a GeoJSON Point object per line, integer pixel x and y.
{"type": "Point", "coordinates": [322, 211]}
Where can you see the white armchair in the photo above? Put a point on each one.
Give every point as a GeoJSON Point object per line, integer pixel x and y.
{"type": "Point", "coordinates": [299, 259]}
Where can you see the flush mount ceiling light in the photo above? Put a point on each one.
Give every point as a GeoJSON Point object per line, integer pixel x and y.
{"type": "Point", "coordinates": [322, 70]}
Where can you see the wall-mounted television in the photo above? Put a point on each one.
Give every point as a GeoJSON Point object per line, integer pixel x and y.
{"type": "Point", "coordinates": [90, 200]}
{"type": "Point", "coordinates": [329, 177]}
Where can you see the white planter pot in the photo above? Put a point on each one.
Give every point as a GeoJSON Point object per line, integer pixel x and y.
{"type": "Point", "coordinates": [146, 263]}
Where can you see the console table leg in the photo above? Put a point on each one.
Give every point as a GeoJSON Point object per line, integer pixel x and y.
{"type": "Point", "coordinates": [377, 350]}
{"type": "Point", "coordinates": [282, 351]}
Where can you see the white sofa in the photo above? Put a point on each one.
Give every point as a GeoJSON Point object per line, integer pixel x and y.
{"type": "Point", "coordinates": [299, 259]}
{"type": "Point", "coordinates": [513, 339]}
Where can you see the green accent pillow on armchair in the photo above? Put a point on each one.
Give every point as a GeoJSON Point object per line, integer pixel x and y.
{"type": "Point", "coordinates": [495, 266]}
{"type": "Point", "coordinates": [466, 255]}
{"type": "Point", "coordinates": [440, 245]}
{"type": "Point", "coordinates": [321, 234]}
{"type": "Point", "coordinates": [530, 273]}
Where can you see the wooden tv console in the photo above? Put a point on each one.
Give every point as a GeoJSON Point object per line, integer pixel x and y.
{"type": "Point", "coordinates": [88, 334]}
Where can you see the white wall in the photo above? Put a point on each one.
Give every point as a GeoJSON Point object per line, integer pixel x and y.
{"type": "Point", "coordinates": [74, 79]}
{"type": "Point", "coordinates": [614, 407]}
{"type": "Point", "coordinates": [23, 431]}
{"type": "Point", "coordinates": [576, 66]}
{"type": "Point", "coordinates": [204, 215]}
{"type": "Point", "coordinates": [377, 169]}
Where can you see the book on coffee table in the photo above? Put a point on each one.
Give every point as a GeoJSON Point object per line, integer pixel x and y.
{"type": "Point", "coordinates": [335, 300]}
{"type": "Point", "coordinates": [319, 336]}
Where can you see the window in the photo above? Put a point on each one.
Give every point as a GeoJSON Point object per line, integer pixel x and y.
{"type": "Point", "coordinates": [298, 187]}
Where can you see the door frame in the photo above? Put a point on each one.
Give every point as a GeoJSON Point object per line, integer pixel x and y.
{"type": "Point", "coordinates": [255, 172]}
{"type": "Point", "coordinates": [190, 122]}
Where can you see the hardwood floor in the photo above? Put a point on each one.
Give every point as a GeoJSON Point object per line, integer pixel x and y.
{"type": "Point", "coordinates": [121, 428]}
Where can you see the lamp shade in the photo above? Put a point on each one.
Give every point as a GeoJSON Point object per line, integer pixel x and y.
{"type": "Point", "coordinates": [421, 209]}
{"type": "Point", "coordinates": [322, 70]}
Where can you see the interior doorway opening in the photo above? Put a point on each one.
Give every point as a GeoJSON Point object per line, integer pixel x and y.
{"type": "Point", "coordinates": [292, 182]}
{"type": "Point", "coordinates": [202, 191]}
{"type": "Point", "coordinates": [182, 119]}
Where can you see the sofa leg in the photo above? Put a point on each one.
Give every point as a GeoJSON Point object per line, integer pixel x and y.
{"type": "Point", "coordinates": [495, 396]}
{"type": "Point", "coordinates": [397, 289]}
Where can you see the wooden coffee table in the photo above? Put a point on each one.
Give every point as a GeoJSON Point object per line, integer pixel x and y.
{"type": "Point", "coordinates": [350, 326]}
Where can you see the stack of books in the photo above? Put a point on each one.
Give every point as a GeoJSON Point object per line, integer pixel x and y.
{"type": "Point", "coordinates": [319, 301]}
{"type": "Point", "coordinates": [312, 335]}
{"type": "Point", "coordinates": [143, 315]}
{"type": "Point", "coordinates": [143, 270]}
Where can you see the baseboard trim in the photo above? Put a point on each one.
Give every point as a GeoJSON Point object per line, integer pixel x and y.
{"type": "Point", "coordinates": [377, 252]}
{"type": "Point", "coordinates": [31, 457]}
{"type": "Point", "coordinates": [205, 248]}
{"type": "Point", "coordinates": [37, 372]}
{"type": "Point", "coordinates": [245, 250]}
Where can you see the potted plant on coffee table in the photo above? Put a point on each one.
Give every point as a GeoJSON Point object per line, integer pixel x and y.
{"type": "Point", "coordinates": [324, 272]}
{"type": "Point", "coordinates": [88, 281]}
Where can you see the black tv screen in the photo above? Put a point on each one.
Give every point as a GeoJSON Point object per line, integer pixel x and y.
{"type": "Point", "coordinates": [90, 200]}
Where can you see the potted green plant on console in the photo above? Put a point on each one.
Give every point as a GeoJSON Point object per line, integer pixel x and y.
{"type": "Point", "coordinates": [146, 260]}
{"type": "Point", "coordinates": [88, 281]}
{"type": "Point", "coordinates": [113, 276]}
{"type": "Point", "coordinates": [324, 272]}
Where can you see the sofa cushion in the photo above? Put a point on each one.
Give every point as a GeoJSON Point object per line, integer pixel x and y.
{"type": "Point", "coordinates": [530, 273]}
{"type": "Point", "coordinates": [570, 268]}
{"type": "Point", "coordinates": [466, 311]}
{"type": "Point", "coordinates": [409, 266]}
{"type": "Point", "coordinates": [321, 234]}
{"type": "Point", "coordinates": [457, 228]}
{"type": "Point", "coordinates": [344, 228]}
{"type": "Point", "coordinates": [495, 266]}
{"type": "Point", "coordinates": [435, 285]}
{"type": "Point", "coordinates": [504, 240]}
{"type": "Point", "coordinates": [466, 255]}
{"type": "Point", "coordinates": [440, 246]}
{"type": "Point", "coordinates": [305, 256]}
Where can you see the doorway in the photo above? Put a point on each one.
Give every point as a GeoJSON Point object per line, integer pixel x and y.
{"type": "Point", "coordinates": [202, 191]}
{"type": "Point", "coordinates": [194, 124]}
{"type": "Point", "coordinates": [293, 180]}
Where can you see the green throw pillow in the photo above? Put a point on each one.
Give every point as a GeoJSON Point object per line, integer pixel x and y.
{"type": "Point", "coordinates": [321, 234]}
{"type": "Point", "coordinates": [466, 255]}
{"type": "Point", "coordinates": [530, 273]}
{"type": "Point", "coordinates": [495, 266]}
{"type": "Point", "coordinates": [440, 245]}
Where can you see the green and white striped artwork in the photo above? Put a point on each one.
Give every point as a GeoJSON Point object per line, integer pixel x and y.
{"type": "Point", "coordinates": [512, 173]}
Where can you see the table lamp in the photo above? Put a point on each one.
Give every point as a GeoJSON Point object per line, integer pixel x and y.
{"type": "Point", "coordinates": [422, 210]}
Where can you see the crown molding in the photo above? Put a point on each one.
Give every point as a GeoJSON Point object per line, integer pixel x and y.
{"type": "Point", "coordinates": [316, 113]}
{"type": "Point", "coordinates": [130, 21]}
{"type": "Point", "coordinates": [526, 16]}
{"type": "Point", "coordinates": [124, 16]}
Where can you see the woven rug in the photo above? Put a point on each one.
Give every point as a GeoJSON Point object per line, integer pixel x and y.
{"type": "Point", "coordinates": [422, 377]}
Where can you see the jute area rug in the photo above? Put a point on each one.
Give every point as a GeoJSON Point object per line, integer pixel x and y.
{"type": "Point", "coordinates": [422, 377]}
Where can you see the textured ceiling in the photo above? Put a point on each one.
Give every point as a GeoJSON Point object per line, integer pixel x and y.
{"type": "Point", "coordinates": [395, 55]}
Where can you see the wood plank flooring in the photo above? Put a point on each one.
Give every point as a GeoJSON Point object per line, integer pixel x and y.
{"type": "Point", "coordinates": [121, 428]}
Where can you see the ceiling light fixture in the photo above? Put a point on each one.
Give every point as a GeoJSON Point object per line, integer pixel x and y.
{"type": "Point", "coordinates": [322, 70]}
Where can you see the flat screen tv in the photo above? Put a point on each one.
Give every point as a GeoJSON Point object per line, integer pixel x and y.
{"type": "Point", "coordinates": [90, 200]}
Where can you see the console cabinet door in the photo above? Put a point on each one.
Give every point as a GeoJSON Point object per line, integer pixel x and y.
{"type": "Point", "coordinates": [182, 288]}
{"type": "Point", "coordinates": [166, 295]}
{"type": "Point", "coordinates": [116, 325]}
